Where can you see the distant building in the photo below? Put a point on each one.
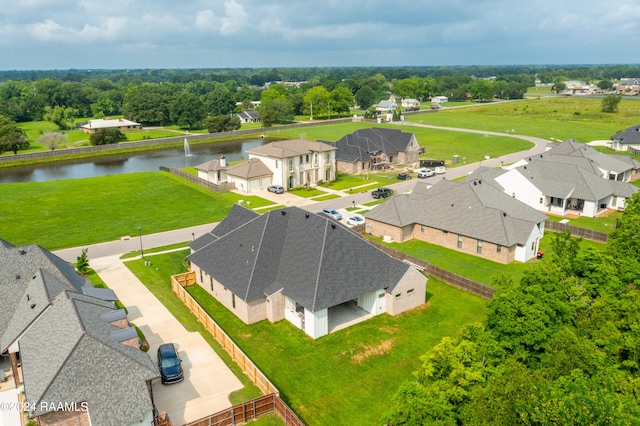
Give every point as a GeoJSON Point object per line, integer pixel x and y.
{"type": "Point", "coordinates": [109, 123]}
{"type": "Point", "coordinates": [248, 116]}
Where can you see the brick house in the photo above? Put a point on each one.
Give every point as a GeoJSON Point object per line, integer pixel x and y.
{"type": "Point", "coordinates": [110, 123]}
{"type": "Point", "coordinates": [472, 217]}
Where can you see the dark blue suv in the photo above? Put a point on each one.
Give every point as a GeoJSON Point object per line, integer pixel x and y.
{"type": "Point", "coordinates": [169, 364]}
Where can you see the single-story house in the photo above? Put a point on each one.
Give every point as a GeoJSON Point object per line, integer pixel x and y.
{"type": "Point", "coordinates": [410, 104]}
{"type": "Point", "coordinates": [569, 179]}
{"type": "Point", "coordinates": [298, 162]}
{"type": "Point", "coordinates": [248, 116]}
{"type": "Point", "coordinates": [628, 138]}
{"type": "Point", "coordinates": [108, 123]}
{"type": "Point", "coordinates": [374, 149]}
{"type": "Point", "coordinates": [79, 358]}
{"type": "Point", "coordinates": [439, 99]}
{"type": "Point", "coordinates": [472, 217]}
{"type": "Point", "coordinates": [386, 106]}
{"type": "Point", "coordinates": [303, 267]}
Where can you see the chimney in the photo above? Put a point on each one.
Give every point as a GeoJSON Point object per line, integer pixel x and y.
{"type": "Point", "coordinates": [223, 161]}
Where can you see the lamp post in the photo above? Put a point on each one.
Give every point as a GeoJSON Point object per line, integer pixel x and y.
{"type": "Point", "coordinates": [140, 236]}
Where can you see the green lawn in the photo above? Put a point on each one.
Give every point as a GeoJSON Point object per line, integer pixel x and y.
{"type": "Point", "coordinates": [602, 224]}
{"type": "Point", "coordinates": [306, 193]}
{"type": "Point", "coordinates": [75, 212]}
{"type": "Point", "coordinates": [558, 117]}
{"type": "Point", "coordinates": [339, 376]}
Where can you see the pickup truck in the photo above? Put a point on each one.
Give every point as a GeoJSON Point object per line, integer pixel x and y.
{"type": "Point", "coordinates": [381, 193]}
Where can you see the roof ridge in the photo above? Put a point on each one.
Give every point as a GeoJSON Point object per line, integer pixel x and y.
{"type": "Point", "coordinates": [255, 260]}
{"type": "Point", "coordinates": [317, 283]}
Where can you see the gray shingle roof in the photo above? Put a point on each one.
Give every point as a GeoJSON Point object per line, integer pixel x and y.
{"type": "Point", "coordinates": [471, 208]}
{"type": "Point", "coordinates": [236, 217]}
{"type": "Point", "coordinates": [290, 148]}
{"type": "Point", "coordinates": [630, 135]}
{"type": "Point", "coordinates": [589, 158]}
{"type": "Point", "coordinates": [210, 166]}
{"type": "Point", "coordinates": [251, 168]}
{"type": "Point", "coordinates": [357, 145]}
{"type": "Point", "coordinates": [69, 356]}
{"type": "Point", "coordinates": [312, 259]}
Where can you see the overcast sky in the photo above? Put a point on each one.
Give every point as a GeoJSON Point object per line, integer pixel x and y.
{"type": "Point", "coordinates": [128, 34]}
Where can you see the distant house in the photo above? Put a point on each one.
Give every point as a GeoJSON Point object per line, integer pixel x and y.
{"type": "Point", "coordinates": [248, 116]}
{"type": "Point", "coordinates": [628, 138]}
{"type": "Point", "coordinates": [472, 217]}
{"type": "Point", "coordinates": [77, 355]}
{"type": "Point", "coordinates": [108, 123]}
{"type": "Point", "coordinates": [375, 149]}
{"type": "Point", "coordinates": [298, 162]}
{"type": "Point", "coordinates": [386, 106]}
{"type": "Point", "coordinates": [248, 176]}
{"type": "Point", "coordinates": [291, 264]}
{"type": "Point", "coordinates": [410, 104]}
{"type": "Point", "coordinates": [570, 179]}
{"type": "Point", "coordinates": [439, 99]}
{"type": "Point", "coordinates": [628, 86]}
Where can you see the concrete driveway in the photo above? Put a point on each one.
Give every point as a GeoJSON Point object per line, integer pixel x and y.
{"type": "Point", "coordinates": [208, 381]}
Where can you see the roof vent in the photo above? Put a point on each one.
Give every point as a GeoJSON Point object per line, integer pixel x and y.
{"type": "Point", "coordinates": [306, 215]}
{"type": "Point", "coordinates": [283, 212]}
{"type": "Point", "coordinates": [504, 214]}
{"type": "Point", "coordinates": [475, 183]}
{"type": "Point", "coordinates": [17, 276]}
{"type": "Point", "coordinates": [28, 298]}
{"type": "Point", "coordinates": [22, 252]}
{"type": "Point", "coordinates": [33, 305]}
{"type": "Point", "coordinates": [480, 182]}
{"type": "Point", "coordinates": [451, 204]}
{"type": "Point", "coordinates": [333, 226]}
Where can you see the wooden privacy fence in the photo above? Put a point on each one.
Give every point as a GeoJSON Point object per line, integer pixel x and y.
{"type": "Point", "coordinates": [243, 361]}
{"type": "Point", "coordinates": [448, 277]}
{"type": "Point", "coordinates": [576, 231]}
{"type": "Point", "coordinates": [220, 187]}
{"type": "Point", "coordinates": [251, 410]}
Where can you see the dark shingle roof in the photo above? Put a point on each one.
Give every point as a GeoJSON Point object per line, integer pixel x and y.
{"type": "Point", "coordinates": [630, 135]}
{"type": "Point", "coordinates": [357, 145]}
{"type": "Point", "coordinates": [236, 217]}
{"type": "Point", "coordinates": [312, 259]}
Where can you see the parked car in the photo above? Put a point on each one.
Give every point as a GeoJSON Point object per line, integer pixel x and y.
{"type": "Point", "coordinates": [381, 193]}
{"type": "Point", "coordinates": [334, 214]}
{"type": "Point", "coordinates": [276, 188]}
{"type": "Point", "coordinates": [355, 220]}
{"type": "Point", "coordinates": [425, 173]}
{"type": "Point", "coordinates": [169, 364]}
{"type": "Point", "coordinates": [404, 176]}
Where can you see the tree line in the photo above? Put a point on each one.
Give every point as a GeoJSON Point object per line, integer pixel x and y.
{"type": "Point", "coordinates": [560, 346]}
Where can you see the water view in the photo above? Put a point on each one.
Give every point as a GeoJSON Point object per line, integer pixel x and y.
{"type": "Point", "coordinates": [178, 157]}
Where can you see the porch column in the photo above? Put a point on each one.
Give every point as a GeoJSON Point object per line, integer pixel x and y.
{"type": "Point", "coordinates": [14, 368]}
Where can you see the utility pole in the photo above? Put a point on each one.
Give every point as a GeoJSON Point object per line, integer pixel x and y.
{"type": "Point", "coordinates": [311, 108]}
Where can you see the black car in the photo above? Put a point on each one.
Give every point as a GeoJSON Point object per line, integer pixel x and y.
{"type": "Point", "coordinates": [404, 176]}
{"type": "Point", "coordinates": [381, 193]}
{"type": "Point", "coordinates": [169, 364]}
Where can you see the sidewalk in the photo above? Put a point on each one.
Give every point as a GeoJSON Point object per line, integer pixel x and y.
{"type": "Point", "coordinates": [208, 381]}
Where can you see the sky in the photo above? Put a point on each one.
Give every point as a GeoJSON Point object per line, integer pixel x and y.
{"type": "Point", "coordinates": [134, 34]}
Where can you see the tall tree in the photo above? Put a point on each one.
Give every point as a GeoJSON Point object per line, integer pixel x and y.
{"type": "Point", "coordinates": [365, 97]}
{"type": "Point", "coordinates": [12, 138]}
{"type": "Point", "coordinates": [53, 140]}
{"type": "Point", "coordinates": [316, 101]}
{"type": "Point", "coordinates": [219, 101]}
{"type": "Point", "coordinates": [610, 103]}
{"type": "Point", "coordinates": [187, 111]}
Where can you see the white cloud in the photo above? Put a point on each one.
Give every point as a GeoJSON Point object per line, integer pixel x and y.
{"type": "Point", "coordinates": [235, 20]}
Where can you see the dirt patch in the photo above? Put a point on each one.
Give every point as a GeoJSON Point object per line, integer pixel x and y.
{"type": "Point", "coordinates": [370, 351]}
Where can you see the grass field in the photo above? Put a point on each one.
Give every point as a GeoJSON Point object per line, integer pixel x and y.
{"type": "Point", "coordinates": [556, 117]}
{"type": "Point", "coordinates": [75, 212]}
{"type": "Point", "coordinates": [339, 376]}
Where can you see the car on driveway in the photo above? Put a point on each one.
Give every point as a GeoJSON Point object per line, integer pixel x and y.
{"type": "Point", "coordinates": [276, 188]}
{"type": "Point", "coordinates": [404, 176]}
{"type": "Point", "coordinates": [381, 193]}
{"type": "Point", "coordinates": [333, 213]}
{"type": "Point", "coordinates": [425, 173]}
{"type": "Point", "coordinates": [169, 364]}
{"type": "Point", "coordinates": [355, 220]}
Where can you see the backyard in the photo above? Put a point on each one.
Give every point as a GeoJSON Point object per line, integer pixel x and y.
{"type": "Point", "coordinates": [340, 376]}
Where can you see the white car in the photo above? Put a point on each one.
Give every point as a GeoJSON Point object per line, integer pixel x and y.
{"type": "Point", "coordinates": [425, 173]}
{"type": "Point", "coordinates": [355, 220]}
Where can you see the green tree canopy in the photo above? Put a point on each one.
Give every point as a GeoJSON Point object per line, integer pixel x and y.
{"type": "Point", "coordinates": [12, 138]}
{"type": "Point", "coordinates": [187, 111]}
{"type": "Point", "coordinates": [107, 136]}
{"type": "Point", "coordinates": [610, 103]}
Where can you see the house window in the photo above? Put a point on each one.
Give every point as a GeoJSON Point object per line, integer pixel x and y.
{"type": "Point", "coordinates": [540, 200]}
{"type": "Point", "coordinates": [410, 291]}
{"type": "Point", "coordinates": [306, 159]}
{"type": "Point", "coordinates": [290, 165]}
{"type": "Point", "coordinates": [211, 283]}
{"type": "Point", "coordinates": [533, 245]}
{"type": "Point", "coordinates": [459, 241]}
{"type": "Point", "coordinates": [276, 164]}
{"type": "Point", "coordinates": [233, 300]}
{"type": "Point", "coordinates": [498, 248]}
{"type": "Point", "coordinates": [513, 194]}
{"type": "Point", "coordinates": [301, 159]}
{"type": "Point", "coordinates": [421, 228]}
{"type": "Point", "coordinates": [398, 295]}
{"type": "Point", "coordinates": [327, 159]}
{"type": "Point", "coordinates": [479, 247]}
{"type": "Point", "coordinates": [315, 158]}
{"type": "Point", "coordinates": [201, 280]}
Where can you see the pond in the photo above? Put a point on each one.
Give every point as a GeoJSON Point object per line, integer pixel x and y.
{"type": "Point", "coordinates": [131, 163]}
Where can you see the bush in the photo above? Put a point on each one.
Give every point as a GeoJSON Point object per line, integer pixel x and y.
{"type": "Point", "coordinates": [107, 136]}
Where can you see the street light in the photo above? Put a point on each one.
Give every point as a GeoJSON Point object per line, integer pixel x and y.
{"type": "Point", "coordinates": [140, 236]}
